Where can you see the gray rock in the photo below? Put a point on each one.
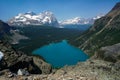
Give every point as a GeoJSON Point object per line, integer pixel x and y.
{"type": "Point", "coordinates": [109, 53]}
{"type": "Point", "coordinates": [23, 72]}
{"type": "Point", "coordinates": [117, 65]}
{"type": "Point", "coordinates": [10, 74]}
{"type": "Point", "coordinates": [42, 65]}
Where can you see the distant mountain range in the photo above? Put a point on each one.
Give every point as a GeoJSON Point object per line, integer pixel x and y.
{"type": "Point", "coordinates": [79, 21]}
{"type": "Point", "coordinates": [47, 18]}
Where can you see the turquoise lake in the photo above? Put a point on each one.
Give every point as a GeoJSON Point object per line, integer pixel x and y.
{"type": "Point", "coordinates": [61, 54]}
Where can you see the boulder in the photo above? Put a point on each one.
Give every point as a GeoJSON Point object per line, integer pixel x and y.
{"type": "Point", "coordinates": [109, 53]}
{"type": "Point", "coordinates": [22, 72]}
{"type": "Point", "coordinates": [42, 65]}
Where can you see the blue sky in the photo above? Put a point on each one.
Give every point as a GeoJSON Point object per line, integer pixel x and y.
{"type": "Point", "coordinates": [62, 9]}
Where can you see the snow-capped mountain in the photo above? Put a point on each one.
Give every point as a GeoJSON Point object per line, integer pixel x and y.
{"type": "Point", "coordinates": [98, 16]}
{"type": "Point", "coordinates": [47, 18]}
{"type": "Point", "coordinates": [92, 20]}
{"type": "Point", "coordinates": [31, 18]}
{"type": "Point", "coordinates": [76, 20]}
{"type": "Point", "coordinates": [80, 21]}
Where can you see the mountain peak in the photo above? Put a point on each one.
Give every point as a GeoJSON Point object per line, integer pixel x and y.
{"type": "Point", "coordinates": [117, 6]}
{"type": "Point", "coordinates": [77, 18]}
{"type": "Point", "coordinates": [115, 10]}
{"type": "Point", "coordinates": [47, 12]}
{"type": "Point", "coordinates": [98, 16]}
{"type": "Point", "coordinates": [30, 13]}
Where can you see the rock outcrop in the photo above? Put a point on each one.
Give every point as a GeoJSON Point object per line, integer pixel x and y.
{"type": "Point", "coordinates": [42, 65]}
{"type": "Point", "coordinates": [89, 70]}
{"type": "Point", "coordinates": [109, 53]}
{"type": "Point", "coordinates": [14, 60]}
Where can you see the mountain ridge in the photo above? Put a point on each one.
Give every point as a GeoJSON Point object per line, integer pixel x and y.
{"type": "Point", "coordinates": [47, 18]}
{"type": "Point", "coordinates": [80, 21]}
{"type": "Point", "coordinates": [104, 32]}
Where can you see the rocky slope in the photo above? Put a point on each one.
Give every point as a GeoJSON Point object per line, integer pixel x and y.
{"type": "Point", "coordinates": [11, 60]}
{"type": "Point", "coordinates": [4, 29]}
{"type": "Point", "coordinates": [14, 60]}
{"type": "Point", "coordinates": [89, 70]}
{"type": "Point", "coordinates": [9, 33]}
{"type": "Point", "coordinates": [104, 32]}
{"type": "Point", "coordinates": [109, 53]}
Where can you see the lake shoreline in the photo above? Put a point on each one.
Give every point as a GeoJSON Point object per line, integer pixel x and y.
{"type": "Point", "coordinates": [55, 53]}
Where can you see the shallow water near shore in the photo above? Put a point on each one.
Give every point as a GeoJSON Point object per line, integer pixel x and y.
{"type": "Point", "coordinates": [61, 54]}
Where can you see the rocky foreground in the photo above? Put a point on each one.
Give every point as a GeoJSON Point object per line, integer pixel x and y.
{"type": "Point", "coordinates": [89, 70]}
{"type": "Point", "coordinates": [16, 65]}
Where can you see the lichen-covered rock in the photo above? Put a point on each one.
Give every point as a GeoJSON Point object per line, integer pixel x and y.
{"type": "Point", "coordinates": [109, 53]}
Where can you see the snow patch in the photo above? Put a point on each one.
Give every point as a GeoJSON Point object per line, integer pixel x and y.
{"type": "Point", "coordinates": [1, 55]}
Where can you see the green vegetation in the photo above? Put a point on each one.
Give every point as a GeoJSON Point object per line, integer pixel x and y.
{"type": "Point", "coordinates": [106, 38]}
{"type": "Point", "coordinates": [104, 32]}
{"type": "Point", "coordinates": [43, 35]}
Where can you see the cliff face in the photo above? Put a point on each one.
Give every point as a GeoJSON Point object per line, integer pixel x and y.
{"type": "Point", "coordinates": [4, 29]}
{"type": "Point", "coordinates": [104, 32]}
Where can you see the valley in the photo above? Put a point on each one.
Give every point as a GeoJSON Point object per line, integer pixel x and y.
{"type": "Point", "coordinates": [37, 46]}
{"type": "Point", "coordinates": [39, 36]}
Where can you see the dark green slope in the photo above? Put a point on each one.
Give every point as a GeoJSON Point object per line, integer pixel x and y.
{"type": "Point", "coordinates": [43, 35]}
{"type": "Point", "coordinates": [104, 32]}
{"type": "Point", "coordinates": [4, 29]}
